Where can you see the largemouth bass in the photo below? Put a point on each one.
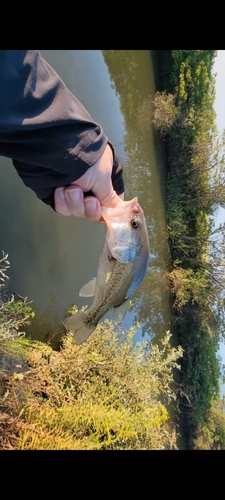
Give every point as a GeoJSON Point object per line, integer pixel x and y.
{"type": "Point", "coordinates": [121, 268]}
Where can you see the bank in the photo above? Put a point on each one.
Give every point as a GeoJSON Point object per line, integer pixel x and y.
{"type": "Point", "coordinates": [184, 120]}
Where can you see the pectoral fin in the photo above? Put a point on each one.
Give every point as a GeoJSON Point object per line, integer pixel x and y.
{"type": "Point", "coordinates": [119, 312]}
{"type": "Point", "coordinates": [88, 290]}
{"type": "Point", "coordinates": [107, 276]}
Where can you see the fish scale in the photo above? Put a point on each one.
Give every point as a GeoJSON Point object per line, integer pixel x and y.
{"type": "Point", "coordinates": [109, 296]}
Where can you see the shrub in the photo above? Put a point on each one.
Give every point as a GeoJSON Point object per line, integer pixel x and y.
{"type": "Point", "coordinates": [164, 112]}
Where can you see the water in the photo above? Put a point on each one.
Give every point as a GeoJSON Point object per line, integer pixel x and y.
{"type": "Point", "coordinates": [55, 255]}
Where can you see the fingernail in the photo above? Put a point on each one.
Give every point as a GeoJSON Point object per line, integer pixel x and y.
{"type": "Point", "coordinates": [60, 193]}
{"type": "Point", "coordinates": [91, 202]}
{"type": "Point", "coordinates": [74, 194]}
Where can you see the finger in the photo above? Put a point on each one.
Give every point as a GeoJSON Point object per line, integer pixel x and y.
{"type": "Point", "coordinates": [60, 202]}
{"type": "Point", "coordinates": [112, 199]}
{"type": "Point", "coordinates": [82, 207]}
{"type": "Point", "coordinates": [75, 200]}
{"type": "Point", "coordinates": [92, 208]}
{"type": "Point", "coordinates": [121, 196]}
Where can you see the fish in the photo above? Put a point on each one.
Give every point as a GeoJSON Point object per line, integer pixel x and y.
{"type": "Point", "coordinates": [122, 266]}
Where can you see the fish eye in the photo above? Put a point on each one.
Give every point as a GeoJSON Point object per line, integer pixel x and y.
{"type": "Point", "coordinates": [134, 223]}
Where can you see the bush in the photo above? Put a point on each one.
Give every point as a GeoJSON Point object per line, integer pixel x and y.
{"type": "Point", "coordinates": [13, 315]}
{"type": "Point", "coordinates": [164, 112]}
{"type": "Point", "coordinates": [108, 393]}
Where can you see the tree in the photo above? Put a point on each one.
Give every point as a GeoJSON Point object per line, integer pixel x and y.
{"type": "Point", "coordinates": [211, 434]}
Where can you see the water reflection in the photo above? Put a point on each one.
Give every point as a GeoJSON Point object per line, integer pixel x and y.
{"type": "Point", "coordinates": [132, 77]}
{"type": "Point", "coordinates": [51, 254]}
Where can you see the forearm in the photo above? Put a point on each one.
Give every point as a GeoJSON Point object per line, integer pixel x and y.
{"type": "Point", "coordinates": [49, 135]}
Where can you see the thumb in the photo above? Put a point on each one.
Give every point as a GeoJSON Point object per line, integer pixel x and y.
{"type": "Point", "coordinates": [108, 198]}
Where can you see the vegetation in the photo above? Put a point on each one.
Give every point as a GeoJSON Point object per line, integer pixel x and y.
{"type": "Point", "coordinates": [11, 312]}
{"type": "Point", "coordinates": [195, 191]}
{"type": "Point", "coordinates": [183, 118]}
{"type": "Point", "coordinates": [108, 394]}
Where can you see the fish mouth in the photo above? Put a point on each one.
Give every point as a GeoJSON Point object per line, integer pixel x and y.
{"type": "Point", "coordinates": [120, 212]}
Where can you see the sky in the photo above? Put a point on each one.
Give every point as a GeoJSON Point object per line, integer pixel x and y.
{"type": "Point", "coordinates": [219, 68]}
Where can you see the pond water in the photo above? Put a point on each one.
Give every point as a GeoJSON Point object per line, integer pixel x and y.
{"type": "Point", "coordinates": [51, 256]}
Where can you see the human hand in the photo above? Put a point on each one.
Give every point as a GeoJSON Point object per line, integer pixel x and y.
{"type": "Point", "coordinates": [70, 200]}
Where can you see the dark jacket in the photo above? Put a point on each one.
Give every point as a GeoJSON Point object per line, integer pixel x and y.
{"type": "Point", "coordinates": [47, 132]}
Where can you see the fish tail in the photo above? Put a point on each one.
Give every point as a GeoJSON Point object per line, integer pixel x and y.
{"type": "Point", "coordinates": [76, 325]}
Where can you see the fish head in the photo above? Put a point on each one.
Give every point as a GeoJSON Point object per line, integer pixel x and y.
{"type": "Point", "coordinates": [127, 235]}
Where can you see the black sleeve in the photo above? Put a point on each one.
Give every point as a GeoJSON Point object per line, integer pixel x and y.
{"type": "Point", "coordinates": [44, 129]}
